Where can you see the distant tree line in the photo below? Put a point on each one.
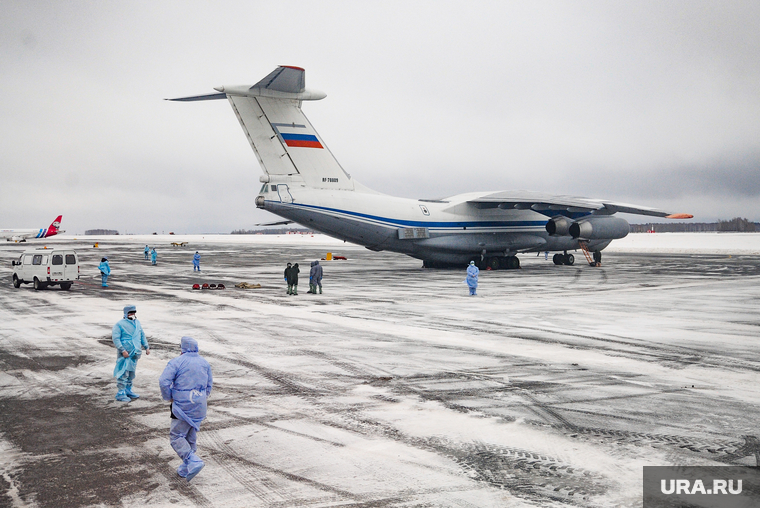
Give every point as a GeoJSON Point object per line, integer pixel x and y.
{"type": "Point", "coordinates": [101, 232]}
{"type": "Point", "coordinates": [737, 224]}
{"type": "Point", "coordinates": [271, 231]}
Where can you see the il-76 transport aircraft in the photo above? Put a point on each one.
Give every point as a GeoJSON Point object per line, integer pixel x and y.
{"type": "Point", "coordinates": [20, 235]}
{"type": "Point", "coordinates": [304, 183]}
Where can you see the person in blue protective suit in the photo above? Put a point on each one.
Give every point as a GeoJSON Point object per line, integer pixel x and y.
{"type": "Point", "coordinates": [153, 256]}
{"type": "Point", "coordinates": [472, 278]}
{"type": "Point", "coordinates": [129, 339]}
{"type": "Point", "coordinates": [315, 278]}
{"type": "Point", "coordinates": [147, 251]}
{"type": "Point", "coordinates": [186, 382]}
{"type": "Point", "coordinates": [105, 271]}
{"type": "Point", "coordinates": [197, 262]}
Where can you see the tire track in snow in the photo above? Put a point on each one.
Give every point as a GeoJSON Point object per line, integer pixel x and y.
{"type": "Point", "coordinates": [242, 469]}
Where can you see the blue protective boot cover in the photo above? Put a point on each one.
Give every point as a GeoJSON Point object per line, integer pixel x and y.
{"type": "Point", "coordinates": [194, 466]}
{"type": "Point", "coordinates": [130, 393]}
{"type": "Point", "coordinates": [182, 470]}
{"type": "Point", "coordinates": [121, 396]}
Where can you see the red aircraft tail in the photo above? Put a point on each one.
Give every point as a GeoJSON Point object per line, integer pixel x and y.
{"type": "Point", "coordinates": [52, 230]}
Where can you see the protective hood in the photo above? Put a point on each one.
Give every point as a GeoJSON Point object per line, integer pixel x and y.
{"type": "Point", "coordinates": [314, 263]}
{"type": "Point", "coordinates": [189, 345]}
{"type": "Point", "coordinates": [128, 309]}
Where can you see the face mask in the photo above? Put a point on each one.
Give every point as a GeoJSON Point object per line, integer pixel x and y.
{"type": "Point", "coordinates": [132, 317]}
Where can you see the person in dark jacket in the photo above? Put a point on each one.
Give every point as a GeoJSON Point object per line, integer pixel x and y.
{"type": "Point", "coordinates": [287, 276]}
{"type": "Point", "coordinates": [293, 279]}
{"type": "Point", "coordinates": [315, 278]}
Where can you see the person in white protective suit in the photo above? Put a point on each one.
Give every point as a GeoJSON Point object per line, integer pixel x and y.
{"type": "Point", "coordinates": [186, 382]}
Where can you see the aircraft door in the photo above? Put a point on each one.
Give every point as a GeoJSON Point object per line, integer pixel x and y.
{"type": "Point", "coordinates": [284, 193]}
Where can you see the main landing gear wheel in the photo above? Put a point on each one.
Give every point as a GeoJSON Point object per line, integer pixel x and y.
{"type": "Point", "coordinates": [563, 259]}
{"type": "Point", "coordinates": [493, 263]}
{"type": "Point", "coordinates": [513, 262]}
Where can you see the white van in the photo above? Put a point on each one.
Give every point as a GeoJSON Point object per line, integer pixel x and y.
{"type": "Point", "coordinates": [46, 268]}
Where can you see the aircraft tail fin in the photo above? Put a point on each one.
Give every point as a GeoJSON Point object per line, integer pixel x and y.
{"type": "Point", "coordinates": [52, 230]}
{"type": "Point", "coordinates": [283, 139]}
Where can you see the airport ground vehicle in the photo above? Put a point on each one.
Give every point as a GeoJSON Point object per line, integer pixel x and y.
{"type": "Point", "coordinates": [44, 267]}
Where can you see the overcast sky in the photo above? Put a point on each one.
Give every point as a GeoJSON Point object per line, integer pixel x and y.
{"type": "Point", "coordinates": [653, 103]}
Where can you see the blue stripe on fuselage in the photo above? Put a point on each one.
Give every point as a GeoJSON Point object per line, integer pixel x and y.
{"type": "Point", "coordinates": [423, 224]}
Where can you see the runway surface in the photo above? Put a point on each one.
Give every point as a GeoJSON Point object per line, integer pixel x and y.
{"type": "Point", "coordinates": [552, 387]}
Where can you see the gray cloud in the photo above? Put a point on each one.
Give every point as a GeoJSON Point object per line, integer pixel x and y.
{"type": "Point", "coordinates": [649, 102]}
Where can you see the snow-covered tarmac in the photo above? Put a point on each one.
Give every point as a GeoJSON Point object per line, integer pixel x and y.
{"type": "Point", "coordinates": [553, 387]}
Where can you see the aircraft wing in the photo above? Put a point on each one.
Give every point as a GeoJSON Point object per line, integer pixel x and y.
{"type": "Point", "coordinates": [524, 200]}
{"type": "Point", "coordinates": [278, 223]}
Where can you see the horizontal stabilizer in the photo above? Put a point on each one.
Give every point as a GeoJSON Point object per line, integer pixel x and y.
{"type": "Point", "coordinates": [285, 82]}
{"type": "Point", "coordinates": [207, 97]}
{"type": "Point", "coordinates": [284, 78]}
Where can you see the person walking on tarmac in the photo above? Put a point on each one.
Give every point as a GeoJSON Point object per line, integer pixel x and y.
{"type": "Point", "coordinates": [186, 382]}
{"type": "Point", "coordinates": [293, 279]}
{"type": "Point", "coordinates": [472, 278]}
{"type": "Point", "coordinates": [105, 271]}
{"type": "Point", "coordinates": [153, 256]}
{"type": "Point", "coordinates": [147, 251]}
{"type": "Point", "coordinates": [315, 278]}
{"type": "Point", "coordinates": [129, 339]}
{"type": "Point", "coordinates": [287, 278]}
{"type": "Point", "coordinates": [197, 262]}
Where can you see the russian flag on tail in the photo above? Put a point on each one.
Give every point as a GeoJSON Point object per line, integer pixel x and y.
{"type": "Point", "coordinates": [301, 140]}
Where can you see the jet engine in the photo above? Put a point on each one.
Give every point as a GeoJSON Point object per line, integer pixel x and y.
{"type": "Point", "coordinates": [558, 226]}
{"type": "Point", "coordinates": [599, 228]}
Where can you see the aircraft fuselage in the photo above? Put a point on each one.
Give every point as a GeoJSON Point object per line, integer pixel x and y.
{"type": "Point", "coordinates": [450, 231]}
